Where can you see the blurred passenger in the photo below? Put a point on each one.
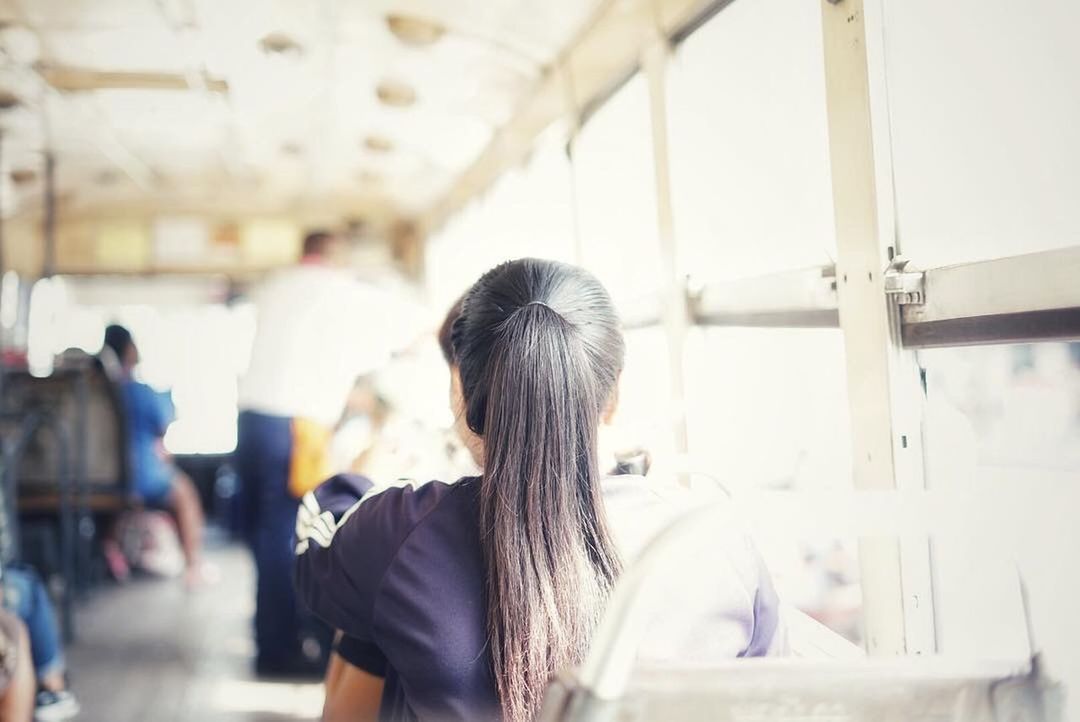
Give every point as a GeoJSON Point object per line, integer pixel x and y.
{"type": "Point", "coordinates": [16, 673]}
{"type": "Point", "coordinates": [464, 598]}
{"type": "Point", "coordinates": [363, 420]}
{"type": "Point", "coordinates": [318, 329]}
{"type": "Point", "coordinates": [25, 596]}
{"type": "Point", "coordinates": [157, 481]}
{"type": "Point", "coordinates": [30, 644]}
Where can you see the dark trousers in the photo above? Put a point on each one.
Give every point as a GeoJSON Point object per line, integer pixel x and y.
{"type": "Point", "coordinates": [263, 451]}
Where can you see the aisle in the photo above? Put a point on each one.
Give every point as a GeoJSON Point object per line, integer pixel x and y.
{"type": "Point", "coordinates": [151, 652]}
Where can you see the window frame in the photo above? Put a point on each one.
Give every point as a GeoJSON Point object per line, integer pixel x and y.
{"type": "Point", "coordinates": [885, 310]}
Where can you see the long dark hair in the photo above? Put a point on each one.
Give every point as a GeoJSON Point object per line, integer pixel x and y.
{"type": "Point", "coordinates": [539, 350]}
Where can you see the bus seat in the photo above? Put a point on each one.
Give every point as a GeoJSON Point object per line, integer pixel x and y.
{"type": "Point", "coordinates": [85, 403]}
{"type": "Point", "coordinates": [611, 683]}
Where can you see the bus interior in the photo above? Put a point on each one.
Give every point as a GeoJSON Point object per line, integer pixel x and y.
{"type": "Point", "coordinates": [842, 238]}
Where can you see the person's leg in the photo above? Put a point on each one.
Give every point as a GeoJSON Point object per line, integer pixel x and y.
{"type": "Point", "coordinates": [25, 596]}
{"type": "Point", "coordinates": [246, 459]}
{"type": "Point", "coordinates": [264, 447]}
{"type": "Point", "coordinates": [113, 551]}
{"type": "Point", "coordinates": [185, 502]}
{"type": "Point", "coordinates": [277, 628]}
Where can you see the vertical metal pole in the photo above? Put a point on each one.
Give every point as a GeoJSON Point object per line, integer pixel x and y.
{"type": "Point", "coordinates": [866, 318]}
{"type": "Point", "coordinates": [67, 527]}
{"type": "Point", "coordinates": [2, 199]}
{"type": "Point", "coordinates": [49, 221]}
{"type": "Point", "coordinates": [863, 310]}
{"type": "Point", "coordinates": [84, 520]}
{"type": "Point", "coordinates": [676, 309]}
{"type": "Point", "coordinates": [573, 113]}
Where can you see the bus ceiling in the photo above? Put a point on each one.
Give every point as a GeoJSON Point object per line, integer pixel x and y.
{"type": "Point", "coordinates": [287, 115]}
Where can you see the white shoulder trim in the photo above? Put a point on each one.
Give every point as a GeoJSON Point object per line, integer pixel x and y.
{"type": "Point", "coordinates": [314, 524]}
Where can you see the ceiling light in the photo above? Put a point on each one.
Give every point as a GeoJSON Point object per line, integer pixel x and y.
{"type": "Point", "coordinates": [9, 100]}
{"type": "Point", "coordinates": [23, 176]}
{"type": "Point", "coordinates": [395, 93]}
{"type": "Point", "coordinates": [415, 31]}
{"type": "Point", "coordinates": [280, 44]}
{"type": "Point", "coordinates": [378, 144]}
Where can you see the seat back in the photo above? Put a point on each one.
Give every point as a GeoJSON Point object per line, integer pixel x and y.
{"type": "Point", "coordinates": [611, 684]}
{"type": "Point", "coordinates": [787, 690]}
{"type": "Point", "coordinates": [87, 408]}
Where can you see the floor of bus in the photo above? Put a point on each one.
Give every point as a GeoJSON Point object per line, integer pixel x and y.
{"type": "Point", "coordinates": [150, 651]}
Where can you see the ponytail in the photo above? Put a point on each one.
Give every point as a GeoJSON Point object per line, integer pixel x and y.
{"type": "Point", "coordinates": [539, 351]}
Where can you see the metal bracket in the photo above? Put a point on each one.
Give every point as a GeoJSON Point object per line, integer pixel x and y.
{"type": "Point", "coordinates": [907, 286]}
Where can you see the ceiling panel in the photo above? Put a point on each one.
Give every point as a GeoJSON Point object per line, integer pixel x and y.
{"type": "Point", "coordinates": [291, 125]}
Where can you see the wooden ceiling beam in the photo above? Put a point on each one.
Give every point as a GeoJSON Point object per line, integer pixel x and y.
{"type": "Point", "coordinates": [600, 57]}
{"type": "Point", "coordinates": [68, 80]}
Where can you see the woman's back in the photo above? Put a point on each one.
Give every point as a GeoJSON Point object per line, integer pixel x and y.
{"type": "Point", "coordinates": [403, 577]}
{"type": "Point", "coordinates": [521, 567]}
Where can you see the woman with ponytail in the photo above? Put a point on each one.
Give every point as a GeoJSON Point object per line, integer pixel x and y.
{"type": "Point", "coordinates": [466, 597]}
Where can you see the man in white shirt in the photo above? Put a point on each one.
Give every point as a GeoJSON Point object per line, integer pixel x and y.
{"type": "Point", "coordinates": [318, 328]}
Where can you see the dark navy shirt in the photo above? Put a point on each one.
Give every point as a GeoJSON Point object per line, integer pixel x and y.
{"type": "Point", "coordinates": [401, 575]}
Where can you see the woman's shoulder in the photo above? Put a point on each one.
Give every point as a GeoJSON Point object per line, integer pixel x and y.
{"type": "Point", "coordinates": [362, 527]}
{"type": "Point", "coordinates": [381, 514]}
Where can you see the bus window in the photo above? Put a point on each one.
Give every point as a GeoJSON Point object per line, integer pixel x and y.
{"type": "Point", "coordinates": [528, 212]}
{"type": "Point", "coordinates": [992, 171]}
{"type": "Point", "coordinates": [189, 342]}
{"type": "Point", "coordinates": [769, 414]}
{"type": "Point", "coordinates": [645, 413]}
{"type": "Point", "coordinates": [615, 185]}
{"type": "Point", "coordinates": [769, 407]}
{"type": "Point", "coordinates": [751, 189]}
{"type": "Point", "coordinates": [1002, 437]}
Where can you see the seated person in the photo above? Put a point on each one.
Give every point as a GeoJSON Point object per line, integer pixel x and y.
{"type": "Point", "coordinates": [157, 481]}
{"type": "Point", "coordinates": [465, 598]}
{"type": "Point", "coordinates": [25, 597]}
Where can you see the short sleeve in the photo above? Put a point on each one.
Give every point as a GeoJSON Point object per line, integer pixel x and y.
{"type": "Point", "coordinates": [362, 655]}
{"type": "Point", "coordinates": [164, 410]}
{"type": "Point", "coordinates": [341, 560]}
{"type": "Point", "coordinates": [154, 410]}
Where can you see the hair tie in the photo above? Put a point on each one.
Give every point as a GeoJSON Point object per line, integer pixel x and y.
{"type": "Point", "coordinates": [540, 303]}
